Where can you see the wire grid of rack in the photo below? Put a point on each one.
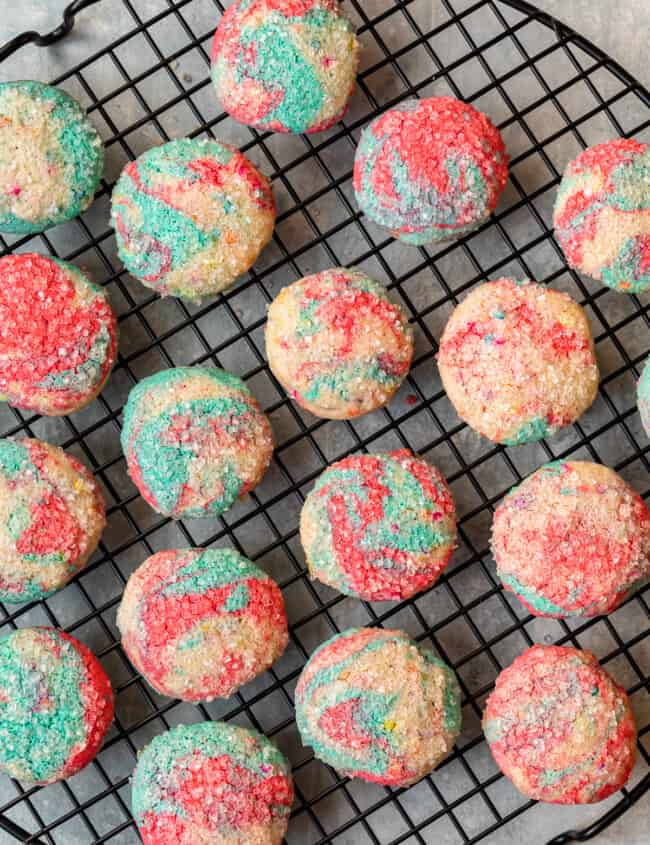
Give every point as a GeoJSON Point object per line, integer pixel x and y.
{"type": "Point", "coordinates": [551, 93]}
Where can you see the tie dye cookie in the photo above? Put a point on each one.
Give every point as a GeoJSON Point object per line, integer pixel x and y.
{"type": "Point", "coordinates": [200, 623]}
{"type": "Point", "coordinates": [430, 170]}
{"type": "Point", "coordinates": [337, 344]}
{"type": "Point", "coordinates": [375, 705]}
{"type": "Point", "coordinates": [560, 728]}
{"type": "Point", "coordinates": [602, 214]}
{"type": "Point", "coordinates": [51, 158]}
{"type": "Point", "coordinates": [56, 704]}
{"type": "Point", "coordinates": [212, 783]}
{"type": "Point", "coordinates": [195, 440]}
{"type": "Point", "coordinates": [191, 216]}
{"type": "Point", "coordinates": [285, 65]}
{"type": "Point", "coordinates": [379, 527]}
{"type": "Point", "coordinates": [517, 361]}
{"type": "Point", "coordinates": [572, 540]}
{"type": "Point", "coordinates": [52, 515]}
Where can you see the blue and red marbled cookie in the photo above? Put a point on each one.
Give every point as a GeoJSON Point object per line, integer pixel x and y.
{"type": "Point", "coordinates": [379, 527]}
{"type": "Point", "coordinates": [199, 623]}
{"type": "Point", "coordinates": [51, 157]}
{"type": "Point", "coordinates": [517, 360]}
{"type": "Point", "coordinates": [58, 335]}
{"type": "Point", "coordinates": [375, 705]}
{"type": "Point", "coordinates": [285, 65]}
{"type": "Point", "coordinates": [191, 216]}
{"type": "Point", "coordinates": [337, 343]}
{"type": "Point", "coordinates": [560, 728]}
{"type": "Point", "coordinates": [573, 539]}
{"type": "Point", "coordinates": [430, 170]}
{"type": "Point", "coordinates": [195, 440]}
{"type": "Point", "coordinates": [602, 214]}
{"type": "Point", "coordinates": [52, 515]}
{"type": "Point", "coordinates": [212, 783]}
{"type": "Point", "coordinates": [56, 704]}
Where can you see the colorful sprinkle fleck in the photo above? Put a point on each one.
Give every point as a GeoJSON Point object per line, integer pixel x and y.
{"type": "Point", "coordinates": [430, 170]}
{"type": "Point", "coordinates": [52, 515]}
{"type": "Point", "coordinates": [375, 705]}
{"type": "Point", "coordinates": [560, 728]}
{"type": "Point", "coordinates": [379, 527]}
{"type": "Point", "coordinates": [51, 158]}
{"type": "Point", "coordinates": [200, 623]}
{"type": "Point", "coordinates": [58, 335]}
{"type": "Point", "coordinates": [517, 361]}
{"type": "Point", "coordinates": [572, 540]}
{"type": "Point", "coordinates": [285, 65]}
{"type": "Point", "coordinates": [212, 783]}
{"type": "Point", "coordinates": [191, 216]}
{"type": "Point", "coordinates": [337, 344]}
{"type": "Point", "coordinates": [195, 441]}
{"type": "Point", "coordinates": [56, 704]}
{"type": "Point", "coordinates": [602, 214]}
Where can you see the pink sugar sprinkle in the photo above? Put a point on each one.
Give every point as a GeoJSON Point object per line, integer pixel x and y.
{"type": "Point", "coordinates": [411, 399]}
{"type": "Point", "coordinates": [16, 190]}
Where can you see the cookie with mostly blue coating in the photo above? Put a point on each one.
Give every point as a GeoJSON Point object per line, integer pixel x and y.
{"type": "Point", "coordinates": [375, 705]}
{"type": "Point", "coordinates": [51, 157]}
{"type": "Point", "coordinates": [195, 440]}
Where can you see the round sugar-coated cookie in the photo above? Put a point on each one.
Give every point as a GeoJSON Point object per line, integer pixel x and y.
{"type": "Point", "coordinates": [643, 397]}
{"type": "Point", "coordinates": [285, 65]}
{"type": "Point", "coordinates": [56, 704]}
{"type": "Point", "coordinates": [430, 170]}
{"type": "Point", "coordinates": [572, 540]}
{"type": "Point", "coordinates": [379, 527]}
{"type": "Point", "coordinates": [375, 705]}
{"type": "Point", "coordinates": [337, 343]}
{"type": "Point", "coordinates": [517, 360]}
{"type": "Point", "coordinates": [58, 335]}
{"type": "Point", "coordinates": [51, 157]}
{"type": "Point", "coordinates": [52, 515]}
{"type": "Point", "coordinates": [191, 216]}
{"type": "Point", "coordinates": [212, 783]}
{"type": "Point", "coordinates": [602, 214]}
{"type": "Point", "coordinates": [195, 441]}
{"type": "Point", "coordinates": [559, 726]}
{"type": "Point", "coordinates": [199, 623]}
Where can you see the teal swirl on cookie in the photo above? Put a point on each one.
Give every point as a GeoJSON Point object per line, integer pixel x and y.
{"type": "Point", "coordinates": [375, 705]}
{"type": "Point", "coordinates": [195, 440]}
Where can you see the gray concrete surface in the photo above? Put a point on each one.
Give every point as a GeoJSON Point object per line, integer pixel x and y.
{"type": "Point", "coordinates": [618, 27]}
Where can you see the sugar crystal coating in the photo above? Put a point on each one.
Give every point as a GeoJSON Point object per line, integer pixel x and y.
{"type": "Point", "coordinates": [375, 705]}
{"type": "Point", "coordinates": [379, 527]}
{"type": "Point", "coordinates": [212, 783]}
{"type": "Point", "coordinates": [51, 157]}
{"type": "Point", "coordinates": [430, 170]}
{"type": "Point", "coordinates": [602, 214]}
{"type": "Point", "coordinates": [56, 704]}
{"type": "Point", "coordinates": [559, 727]}
{"type": "Point", "coordinates": [517, 361]}
{"type": "Point", "coordinates": [200, 623]}
{"type": "Point", "coordinates": [285, 65]}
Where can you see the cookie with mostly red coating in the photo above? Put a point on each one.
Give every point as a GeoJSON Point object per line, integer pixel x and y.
{"type": "Point", "coordinates": [58, 335]}
{"type": "Point", "coordinates": [212, 783]}
{"type": "Point", "coordinates": [337, 343]}
{"type": "Point", "coordinates": [517, 360]}
{"type": "Point", "coordinates": [52, 514]}
{"type": "Point", "coordinates": [56, 704]}
{"type": "Point", "coordinates": [602, 214]}
{"type": "Point", "coordinates": [374, 704]}
{"type": "Point", "coordinates": [199, 623]}
{"type": "Point", "coordinates": [560, 727]}
{"type": "Point", "coordinates": [379, 527]}
{"type": "Point", "coordinates": [573, 539]}
{"type": "Point", "coordinates": [430, 170]}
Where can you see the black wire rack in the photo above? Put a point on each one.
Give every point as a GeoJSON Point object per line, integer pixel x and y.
{"type": "Point", "coordinates": [552, 93]}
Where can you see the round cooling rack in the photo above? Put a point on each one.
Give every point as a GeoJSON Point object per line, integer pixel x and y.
{"type": "Point", "coordinates": [141, 67]}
